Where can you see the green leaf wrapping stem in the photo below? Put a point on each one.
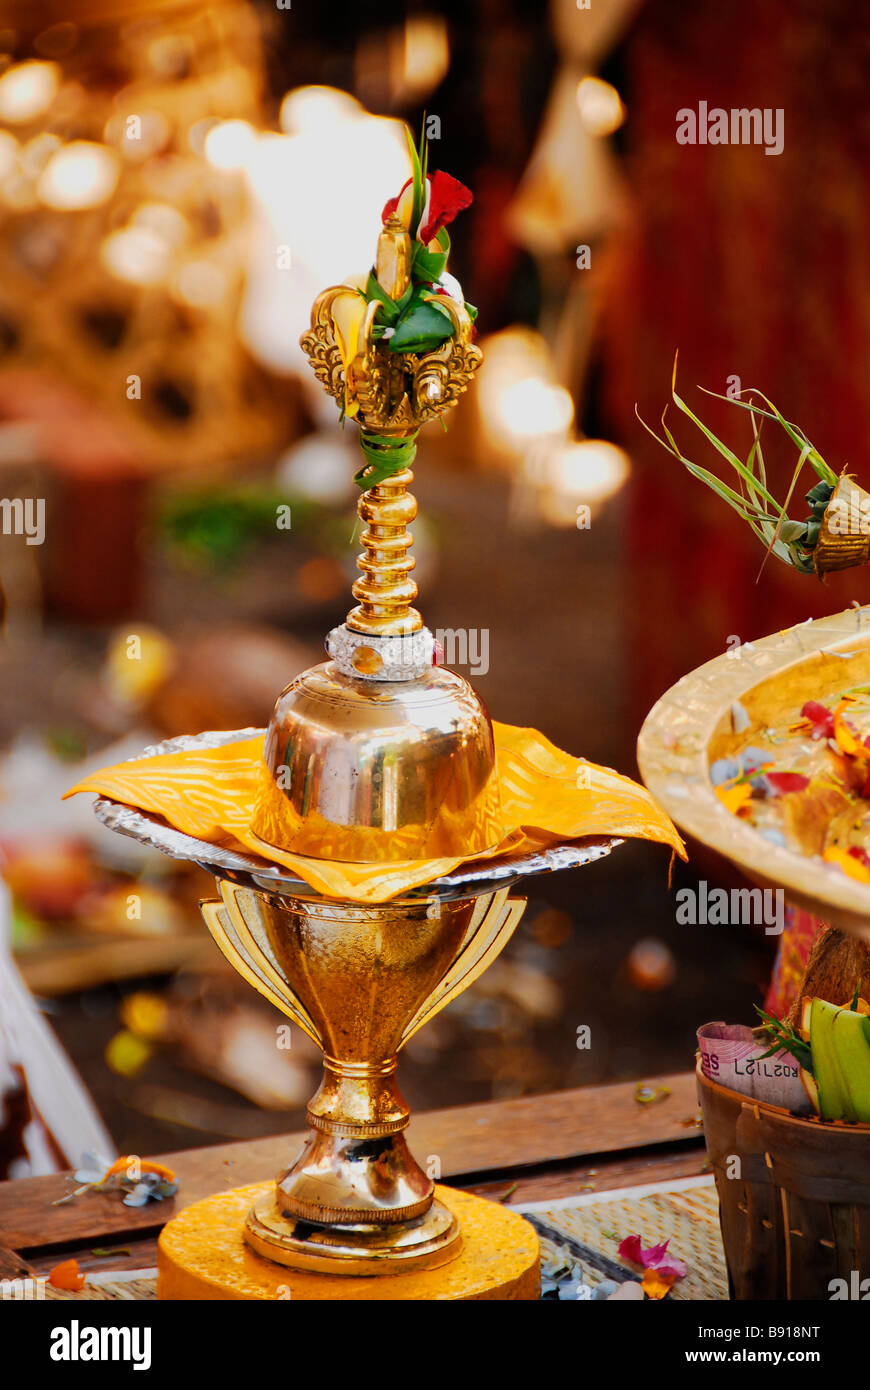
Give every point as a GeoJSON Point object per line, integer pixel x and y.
{"type": "Point", "coordinates": [385, 455]}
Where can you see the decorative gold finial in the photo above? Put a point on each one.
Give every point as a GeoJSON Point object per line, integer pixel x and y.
{"type": "Point", "coordinates": [386, 392]}
{"type": "Point", "coordinates": [390, 395]}
{"type": "Point", "coordinates": [394, 355]}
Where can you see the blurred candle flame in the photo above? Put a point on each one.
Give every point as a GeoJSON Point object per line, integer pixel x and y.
{"type": "Point", "coordinates": [27, 90]}
{"type": "Point", "coordinates": [600, 106]}
{"type": "Point", "coordinates": [318, 191]}
{"type": "Point", "coordinates": [81, 174]}
{"type": "Point", "coordinates": [585, 472]}
{"type": "Point", "coordinates": [426, 55]}
{"type": "Point", "coordinates": [527, 417]}
{"type": "Point", "coordinates": [231, 145]}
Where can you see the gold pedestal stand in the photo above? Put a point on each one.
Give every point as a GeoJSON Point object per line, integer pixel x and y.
{"type": "Point", "coordinates": [360, 980]}
{"type": "Point", "coordinates": [202, 1256]}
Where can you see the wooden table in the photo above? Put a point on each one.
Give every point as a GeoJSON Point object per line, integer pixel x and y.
{"type": "Point", "coordinates": [597, 1138]}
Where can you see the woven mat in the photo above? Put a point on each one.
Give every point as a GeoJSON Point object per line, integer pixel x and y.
{"type": "Point", "coordinates": [581, 1233]}
{"type": "Point", "coordinates": [115, 1286]}
{"type": "Point", "coordinates": [584, 1233]}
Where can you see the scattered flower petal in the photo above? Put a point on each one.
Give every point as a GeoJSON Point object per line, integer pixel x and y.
{"type": "Point", "coordinates": [93, 1167]}
{"type": "Point", "coordinates": [753, 760]}
{"type": "Point", "coordinates": [656, 1284]}
{"type": "Point", "coordinates": [781, 783]}
{"type": "Point", "coordinates": [724, 770]}
{"type": "Point", "coordinates": [67, 1275]}
{"type": "Point", "coordinates": [774, 836]}
{"type": "Point", "coordinates": [630, 1249]}
{"type": "Point", "coordinates": [821, 719]}
{"type": "Point", "coordinates": [650, 1095]}
{"type": "Point", "coordinates": [844, 734]}
{"type": "Point", "coordinates": [847, 862]}
{"type": "Point", "coordinates": [735, 799]}
{"type": "Point", "coordinates": [131, 1163]}
{"type": "Point", "coordinates": [140, 1179]}
{"type": "Point", "coordinates": [654, 1257]}
{"type": "Point", "coordinates": [139, 1196]}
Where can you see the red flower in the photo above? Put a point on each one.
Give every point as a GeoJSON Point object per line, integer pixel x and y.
{"type": "Point", "coordinates": [655, 1257]}
{"type": "Point", "coordinates": [820, 717]}
{"type": "Point", "coordinates": [444, 198]}
{"type": "Point", "coordinates": [787, 781]}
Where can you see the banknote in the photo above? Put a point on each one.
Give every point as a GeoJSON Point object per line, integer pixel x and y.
{"type": "Point", "coordinates": [733, 1055]}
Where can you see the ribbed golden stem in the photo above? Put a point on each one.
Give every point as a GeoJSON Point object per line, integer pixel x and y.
{"type": "Point", "coordinates": [386, 590]}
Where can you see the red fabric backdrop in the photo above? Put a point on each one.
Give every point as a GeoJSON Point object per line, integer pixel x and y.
{"type": "Point", "coordinates": [747, 263]}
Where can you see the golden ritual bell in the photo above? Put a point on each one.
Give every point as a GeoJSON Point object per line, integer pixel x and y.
{"type": "Point", "coordinates": [375, 756]}
{"type": "Point", "coordinates": [378, 772]}
{"type": "Point", "coordinates": [378, 754]}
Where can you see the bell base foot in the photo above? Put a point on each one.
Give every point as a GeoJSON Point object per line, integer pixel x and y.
{"type": "Point", "coordinates": [427, 1242]}
{"type": "Point", "coordinates": [204, 1255]}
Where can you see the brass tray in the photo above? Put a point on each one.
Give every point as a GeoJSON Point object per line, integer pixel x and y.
{"type": "Point", "coordinates": [691, 726]}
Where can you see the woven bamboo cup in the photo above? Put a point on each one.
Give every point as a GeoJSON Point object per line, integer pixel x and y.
{"type": "Point", "coordinates": [795, 1210]}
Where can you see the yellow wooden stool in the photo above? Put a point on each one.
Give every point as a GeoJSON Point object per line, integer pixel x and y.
{"type": "Point", "coordinates": [202, 1255]}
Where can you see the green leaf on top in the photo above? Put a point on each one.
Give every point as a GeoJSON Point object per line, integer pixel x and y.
{"type": "Point", "coordinates": [390, 310]}
{"type": "Point", "coordinates": [423, 325]}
